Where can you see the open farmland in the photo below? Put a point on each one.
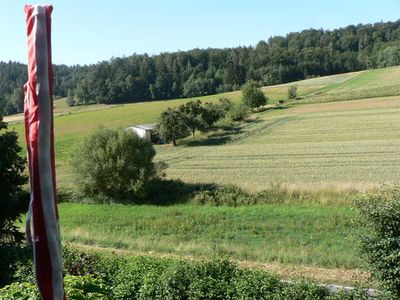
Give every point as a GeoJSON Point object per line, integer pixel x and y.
{"type": "Point", "coordinates": [332, 147]}
{"type": "Point", "coordinates": [341, 145]}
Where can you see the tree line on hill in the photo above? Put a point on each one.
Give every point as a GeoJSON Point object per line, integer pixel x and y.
{"type": "Point", "coordinates": [199, 72]}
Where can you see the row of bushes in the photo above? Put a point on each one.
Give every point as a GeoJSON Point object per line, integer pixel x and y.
{"type": "Point", "coordinates": [91, 275]}
{"type": "Point", "coordinates": [179, 122]}
{"type": "Point", "coordinates": [167, 192]}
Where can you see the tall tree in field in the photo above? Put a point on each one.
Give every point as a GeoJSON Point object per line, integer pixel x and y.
{"type": "Point", "coordinates": [252, 96]}
{"type": "Point", "coordinates": [70, 98]}
{"type": "Point", "coordinates": [193, 111]}
{"type": "Point", "coordinates": [172, 125]}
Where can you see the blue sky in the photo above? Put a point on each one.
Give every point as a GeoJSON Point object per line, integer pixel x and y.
{"type": "Point", "coordinates": [89, 31]}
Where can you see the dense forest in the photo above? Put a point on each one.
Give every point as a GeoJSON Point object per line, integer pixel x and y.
{"type": "Point", "coordinates": [298, 55]}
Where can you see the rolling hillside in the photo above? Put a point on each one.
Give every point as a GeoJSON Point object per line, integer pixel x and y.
{"type": "Point", "coordinates": [315, 143]}
{"type": "Point", "coordinates": [344, 145]}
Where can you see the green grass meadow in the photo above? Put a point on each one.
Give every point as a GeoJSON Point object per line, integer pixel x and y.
{"type": "Point", "coordinates": [295, 234]}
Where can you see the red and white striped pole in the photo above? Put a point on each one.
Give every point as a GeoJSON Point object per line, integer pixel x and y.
{"type": "Point", "coordinates": [39, 129]}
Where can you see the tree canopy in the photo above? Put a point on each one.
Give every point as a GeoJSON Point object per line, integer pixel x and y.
{"type": "Point", "coordinates": [114, 163]}
{"type": "Point", "coordinates": [13, 200]}
{"type": "Point", "coordinates": [173, 125]}
{"type": "Point", "coordinates": [198, 72]}
{"type": "Point", "coordinates": [252, 96]}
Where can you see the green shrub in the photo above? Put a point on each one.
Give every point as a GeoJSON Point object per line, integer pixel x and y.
{"type": "Point", "coordinates": [292, 92]}
{"type": "Point", "coordinates": [252, 96]}
{"type": "Point", "coordinates": [174, 282]}
{"type": "Point", "coordinates": [86, 287]}
{"type": "Point", "coordinates": [238, 112]}
{"type": "Point", "coordinates": [212, 280]}
{"type": "Point", "coordinates": [229, 195]}
{"type": "Point", "coordinates": [356, 294]}
{"type": "Point", "coordinates": [255, 284]}
{"type": "Point", "coordinates": [168, 192]}
{"type": "Point", "coordinates": [114, 163]}
{"type": "Point", "coordinates": [76, 288]}
{"type": "Point", "coordinates": [19, 291]}
{"type": "Point", "coordinates": [224, 104]}
{"type": "Point", "coordinates": [303, 291]}
{"type": "Point", "coordinates": [212, 113]}
{"type": "Point", "coordinates": [232, 195]}
{"type": "Point", "coordinates": [103, 266]}
{"type": "Point", "coordinates": [15, 264]}
{"type": "Point", "coordinates": [136, 278]}
{"type": "Point", "coordinates": [93, 275]}
{"type": "Point", "coordinates": [380, 236]}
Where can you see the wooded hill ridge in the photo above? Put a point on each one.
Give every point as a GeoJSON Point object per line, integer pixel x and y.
{"type": "Point", "coordinates": [198, 72]}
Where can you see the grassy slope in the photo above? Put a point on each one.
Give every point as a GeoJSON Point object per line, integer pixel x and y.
{"type": "Point", "coordinates": [354, 143]}
{"type": "Point", "coordinates": [280, 139]}
{"type": "Point", "coordinates": [294, 234]}
{"type": "Point", "coordinates": [343, 145]}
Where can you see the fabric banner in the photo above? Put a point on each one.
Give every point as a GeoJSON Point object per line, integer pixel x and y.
{"type": "Point", "coordinates": [39, 129]}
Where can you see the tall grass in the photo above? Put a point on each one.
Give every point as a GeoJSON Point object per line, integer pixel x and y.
{"type": "Point", "coordinates": [296, 234]}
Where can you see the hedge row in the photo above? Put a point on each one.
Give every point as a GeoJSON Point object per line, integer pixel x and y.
{"type": "Point", "coordinates": [109, 276]}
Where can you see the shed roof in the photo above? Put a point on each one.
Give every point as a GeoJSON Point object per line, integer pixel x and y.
{"type": "Point", "coordinates": [146, 126]}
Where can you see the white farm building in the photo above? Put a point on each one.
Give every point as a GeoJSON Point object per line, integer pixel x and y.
{"type": "Point", "coordinates": [145, 131]}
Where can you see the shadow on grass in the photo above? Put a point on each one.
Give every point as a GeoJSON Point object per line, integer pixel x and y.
{"type": "Point", "coordinates": [160, 192]}
{"type": "Point", "coordinates": [170, 192]}
{"type": "Point", "coordinates": [217, 138]}
{"type": "Point", "coordinates": [281, 107]}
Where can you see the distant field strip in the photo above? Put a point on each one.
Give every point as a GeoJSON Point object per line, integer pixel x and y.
{"type": "Point", "coordinates": [364, 84]}
{"type": "Point", "coordinates": [358, 147]}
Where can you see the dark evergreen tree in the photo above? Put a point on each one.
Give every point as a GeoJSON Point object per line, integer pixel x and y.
{"type": "Point", "coordinates": [13, 199]}
{"type": "Point", "coordinates": [252, 96]}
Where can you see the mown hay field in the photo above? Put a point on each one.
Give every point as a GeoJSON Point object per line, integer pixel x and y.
{"type": "Point", "coordinates": [341, 145]}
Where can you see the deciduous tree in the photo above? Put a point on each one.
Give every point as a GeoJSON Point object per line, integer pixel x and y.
{"type": "Point", "coordinates": [172, 125]}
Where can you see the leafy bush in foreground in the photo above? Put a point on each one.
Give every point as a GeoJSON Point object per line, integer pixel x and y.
{"type": "Point", "coordinates": [76, 288]}
{"type": "Point", "coordinates": [126, 277]}
{"type": "Point", "coordinates": [114, 163]}
{"type": "Point", "coordinates": [380, 237]}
